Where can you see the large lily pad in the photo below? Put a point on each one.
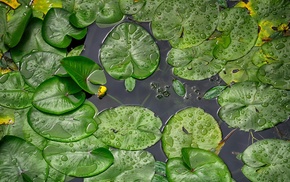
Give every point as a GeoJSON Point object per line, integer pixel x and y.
{"type": "Point", "coordinates": [197, 165]}
{"type": "Point", "coordinates": [32, 41]}
{"type": "Point", "coordinates": [129, 51]}
{"type": "Point", "coordinates": [251, 105]}
{"type": "Point", "coordinates": [58, 95]}
{"type": "Point", "coordinates": [57, 30]}
{"type": "Point", "coordinates": [14, 92]}
{"type": "Point", "coordinates": [196, 63]}
{"type": "Point", "coordinates": [129, 127]}
{"type": "Point", "coordinates": [21, 161]}
{"type": "Point", "coordinates": [83, 158]}
{"type": "Point", "coordinates": [85, 72]}
{"type": "Point", "coordinates": [239, 34]}
{"type": "Point", "coordinates": [128, 166]}
{"type": "Point", "coordinates": [185, 24]}
{"type": "Point", "coordinates": [190, 127]}
{"type": "Point", "coordinates": [267, 160]}
{"type": "Point", "coordinates": [70, 126]}
{"type": "Point", "coordinates": [37, 67]}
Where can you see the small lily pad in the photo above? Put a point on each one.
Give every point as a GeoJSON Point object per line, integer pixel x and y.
{"type": "Point", "coordinates": [83, 158]}
{"type": "Point", "coordinates": [267, 160]}
{"type": "Point", "coordinates": [252, 105]}
{"type": "Point", "coordinates": [128, 166]}
{"type": "Point", "coordinates": [129, 51]}
{"type": "Point", "coordinates": [129, 127]}
{"type": "Point", "coordinates": [197, 165]}
{"type": "Point", "coordinates": [190, 127]}
{"type": "Point", "coordinates": [58, 95]}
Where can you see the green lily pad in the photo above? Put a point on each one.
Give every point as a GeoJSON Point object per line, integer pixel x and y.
{"type": "Point", "coordinates": [14, 92]}
{"type": "Point", "coordinates": [129, 127]}
{"type": "Point", "coordinates": [85, 72]}
{"type": "Point", "coordinates": [32, 41]}
{"type": "Point", "coordinates": [83, 13]}
{"type": "Point", "coordinates": [40, 8]}
{"type": "Point", "coordinates": [58, 95]}
{"type": "Point", "coordinates": [129, 51]}
{"type": "Point", "coordinates": [195, 64]}
{"type": "Point", "coordinates": [130, 84]}
{"type": "Point", "coordinates": [128, 166]}
{"type": "Point", "coordinates": [190, 127]}
{"type": "Point", "coordinates": [146, 13]}
{"type": "Point", "coordinates": [57, 30]}
{"type": "Point", "coordinates": [71, 126]}
{"type": "Point", "coordinates": [214, 92]}
{"type": "Point", "coordinates": [239, 34]}
{"type": "Point", "coordinates": [3, 18]}
{"type": "Point", "coordinates": [108, 13]}
{"type": "Point", "coordinates": [197, 165]}
{"type": "Point", "coordinates": [178, 88]}
{"type": "Point", "coordinates": [185, 24]}
{"type": "Point", "coordinates": [130, 7]}
{"type": "Point", "coordinates": [21, 161]}
{"type": "Point", "coordinates": [251, 105]}
{"type": "Point", "coordinates": [77, 51]}
{"type": "Point", "coordinates": [37, 67]}
{"type": "Point", "coordinates": [267, 160]}
{"type": "Point", "coordinates": [277, 72]}
{"type": "Point", "coordinates": [83, 158]}
{"type": "Point", "coordinates": [242, 69]}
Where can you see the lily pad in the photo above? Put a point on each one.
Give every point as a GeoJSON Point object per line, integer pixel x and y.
{"type": "Point", "coordinates": [146, 13]}
{"type": "Point", "coordinates": [129, 51]}
{"type": "Point", "coordinates": [58, 95]}
{"type": "Point", "coordinates": [71, 126]}
{"type": "Point", "coordinates": [32, 41]}
{"type": "Point", "coordinates": [37, 67]}
{"type": "Point", "coordinates": [40, 8]}
{"type": "Point", "coordinates": [190, 127]}
{"type": "Point", "coordinates": [6, 116]}
{"type": "Point", "coordinates": [14, 92]}
{"type": "Point", "coordinates": [195, 64]}
{"type": "Point", "coordinates": [130, 7]}
{"type": "Point", "coordinates": [85, 72]}
{"type": "Point", "coordinates": [185, 24]}
{"type": "Point", "coordinates": [197, 165]}
{"type": "Point", "coordinates": [57, 30]}
{"type": "Point", "coordinates": [129, 127]}
{"type": "Point", "coordinates": [252, 105]}
{"type": "Point", "coordinates": [128, 166]}
{"type": "Point", "coordinates": [267, 160]}
{"type": "Point", "coordinates": [21, 161]}
{"type": "Point", "coordinates": [239, 34]}
{"type": "Point", "coordinates": [83, 158]}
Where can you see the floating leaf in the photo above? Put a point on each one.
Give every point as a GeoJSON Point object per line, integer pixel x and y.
{"type": "Point", "coordinates": [71, 126]}
{"type": "Point", "coordinates": [37, 67]}
{"type": "Point", "coordinates": [6, 116]}
{"type": "Point", "coordinates": [146, 13]}
{"type": "Point", "coordinates": [178, 88]}
{"type": "Point", "coordinates": [267, 160]}
{"type": "Point", "coordinates": [128, 166]}
{"type": "Point", "coordinates": [190, 127]}
{"type": "Point", "coordinates": [40, 8]}
{"type": "Point", "coordinates": [129, 127]}
{"type": "Point", "coordinates": [58, 95]}
{"type": "Point", "coordinates": [12, 3]}
{"type": "Point", "coordinates": [20, 159]}
{"type": "Point", "coordinates": [85, 72]}
{"type": "Point", "coordinates": [130, 84]}
{"type": "Point", "coordinates": [14, 93]}
{"type": "Point", "coordinates": [130, 7]}
{"type": "Point", "coordinates": [185, 24]}
{"type": "Point", "coordinates": [239, 34]}
{"type": "Point", "coordinates": [250, 105]}
{"type": "Point", "coordinates": [57, 30]}
{"type": "Point", "coordinates": [83, 158]}
{"type": "Point", "coordinates": [214, 92]}
{"type": "Point", "coordinates": [197, 165]}
{"type": "Point", "coordinates": [129, 51]}
{"type": "Point", "coordinates": [76, 51]}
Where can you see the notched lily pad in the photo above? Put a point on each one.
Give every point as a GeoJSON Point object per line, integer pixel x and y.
{"type": "Point", "coordinates": [267, 160]}
{"type": "Point", "coordinates": [83, 158]}
{"type": "Point", "coordinates": [185, 24]}
{"type": "Point", "coordinates": [129, 51]}
{"type": "Point", "coordinates": [197, 165]}
{"type": "Point", "coordinates": [128, 166]}
{"type": "Point", "coordinates": [190, 127]}
{"type": "Point", "coordinates": [71, 126]}
{"type": "Point", "coordinates": [58, 95]}
{"type": "Point", "coordinates": [251, 105]}
{"type": "Point", "coordinates": [129, 127]}
{"type": "Point", "coordinates": [14, 92]}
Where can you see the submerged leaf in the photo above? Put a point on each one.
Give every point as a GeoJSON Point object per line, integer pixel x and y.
{"type": "Point", "coordinates": [214, 92]}
{"type": "Point", "coordinates": [130, 84]}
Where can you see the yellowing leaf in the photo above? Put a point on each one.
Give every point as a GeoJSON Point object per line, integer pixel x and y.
{"type": "Point", "coordinates": [12, 3]}
{"type": "Point", "coordinates": [41, 7]}
{"type": "Point", "coordinates": [6, 116]}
